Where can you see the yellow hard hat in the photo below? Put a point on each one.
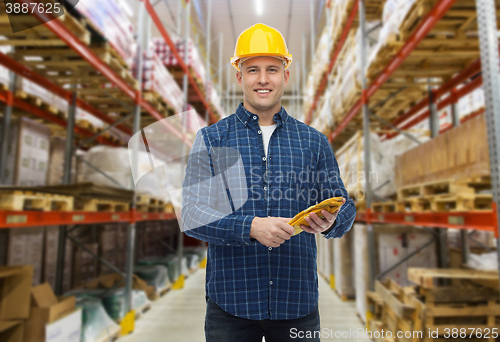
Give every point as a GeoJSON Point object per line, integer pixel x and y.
{"type": "Point", "coordinates": [261, 40]}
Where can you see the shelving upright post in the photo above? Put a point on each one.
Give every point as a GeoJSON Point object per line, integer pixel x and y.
{"type": "Point", "coordinates": [488, 41]}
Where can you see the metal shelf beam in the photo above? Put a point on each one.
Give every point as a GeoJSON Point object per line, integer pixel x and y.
{"type": "Point", "coordinates": [20, 219]}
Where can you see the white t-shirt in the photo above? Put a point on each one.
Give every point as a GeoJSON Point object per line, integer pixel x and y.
{"type": "Point", "coordinates": [267, 131]}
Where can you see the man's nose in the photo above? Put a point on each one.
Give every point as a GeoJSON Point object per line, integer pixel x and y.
{"type": "Point", "coordinates": [263, 78]}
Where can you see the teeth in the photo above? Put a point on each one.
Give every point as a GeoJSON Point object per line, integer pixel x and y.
{"type": "Point", "coordinates": [263, 91]}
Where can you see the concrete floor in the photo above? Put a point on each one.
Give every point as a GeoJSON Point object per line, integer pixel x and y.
{"type": "Point", "coordinates": [180, 315]}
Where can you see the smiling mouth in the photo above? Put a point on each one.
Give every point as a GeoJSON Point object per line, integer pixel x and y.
{"type": "Point", "coordinates": [263, 92]}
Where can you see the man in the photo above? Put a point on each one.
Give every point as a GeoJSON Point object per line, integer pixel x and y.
{"type": "Point", "coordinates": [247, 176]}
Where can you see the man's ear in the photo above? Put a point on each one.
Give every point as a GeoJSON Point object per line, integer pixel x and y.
{"type": "Point", "coordinates": [238, 77]}
{"type": "Point", "coordinates": [287, 76]}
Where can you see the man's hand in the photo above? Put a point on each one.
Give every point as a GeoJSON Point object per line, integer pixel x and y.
{"type": "Point", "coordinates": [271, 231]}
{"type": "Point", "coordinates": [319, 225]}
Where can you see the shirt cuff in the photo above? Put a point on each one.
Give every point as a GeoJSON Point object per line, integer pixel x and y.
{"type": "Point", "coordinates": [332, 231]}
{"type": "Point", "coordinates": [242, 225]}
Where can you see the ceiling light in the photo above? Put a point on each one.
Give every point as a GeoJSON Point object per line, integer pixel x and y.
{"type": "Point", "coordinates": [259, 7]}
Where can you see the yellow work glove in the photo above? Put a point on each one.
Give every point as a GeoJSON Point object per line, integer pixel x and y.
{"type": "Point", "coordinates": [330, 205]}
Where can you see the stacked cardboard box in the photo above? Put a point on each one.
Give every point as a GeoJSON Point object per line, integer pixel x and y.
{"type": "Point", "coordinates": [84, 264]}
{"type": "Point", "coordinates": [25, 248]}
{"type": "Point", "coordinates": [50, 258]}
{"type": "Point", "coordinates": [55, 172]}
{"type": "Point", "coordinates": [49, 314]}
{"type": "Point", "coordinates": [15, 285]}
{"type": "Point", "coordinates": [108, 246]}
{"type": "Point", "coordinates": [28, 153]}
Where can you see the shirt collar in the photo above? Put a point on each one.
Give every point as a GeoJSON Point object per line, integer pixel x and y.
{"type": "Point", "coordinates": [246, 116]}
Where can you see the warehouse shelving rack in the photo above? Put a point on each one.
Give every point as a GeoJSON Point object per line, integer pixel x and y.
{"type": "Point", "coordinates": [489, 78]}
{"type": "Point", "coordinates": [15, 219]}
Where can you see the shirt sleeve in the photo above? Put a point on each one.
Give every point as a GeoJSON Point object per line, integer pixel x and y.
{"type": "Point", "coordinates": [330, 185]}
{"type": "Point", "coordinates": [208, 211]}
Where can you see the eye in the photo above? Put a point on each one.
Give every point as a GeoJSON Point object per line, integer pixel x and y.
{"type": "Point", "coordinates": [252, 70]}
{"type": "Point", "coordinates": [273, 70]}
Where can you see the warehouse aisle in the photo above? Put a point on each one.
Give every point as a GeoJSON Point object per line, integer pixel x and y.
{"type": "Point", "coordinates": [179, 316]}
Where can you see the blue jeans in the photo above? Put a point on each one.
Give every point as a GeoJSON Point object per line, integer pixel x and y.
{"type": "Point", "coordinates": [221, 326]}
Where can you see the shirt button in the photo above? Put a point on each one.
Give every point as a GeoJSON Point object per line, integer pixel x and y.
{"type": "Point", "coordinates": [245, 122]}
{"type": "Point", "coordinates": [271, 282]}
{"type": "Point", "coordinates": [270, 248]}
{"type": "Point", "coordinates": [259, 132]}
{"type": "Point", "coordinates": [264, 158]}
{"type": "Point", "coordinates": [228, 244]}
{"type": "Point", "coordinates": [265, 188]}
{"type": "Point", "coordinates": [254, 117]}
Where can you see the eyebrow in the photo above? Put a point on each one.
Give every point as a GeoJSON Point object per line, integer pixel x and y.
{"type": "Point", "coordinates": [256, 66]}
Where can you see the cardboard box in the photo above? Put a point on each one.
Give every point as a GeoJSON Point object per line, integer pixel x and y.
{"type": "Point", "coordinates": [50, 259]}
{"type": "Point", "coordinates": [32, 154]}
{"type": "Point", "coordinates": [110, 280]}
{"type": "Point", "coordinates": [11, 331]}
{"type": "Point", "coordinates": [45, 309]}
{"type": "Point", "coordinates": [84, 264]}
{"type": "Point", "coordinates": [67, 329]}
{"type": "Point", "coordinates": [55, 172]}
{"type": "Point", "coordinates": [26, 248]}
{"type": "Point", "coordinates": [15, 287]}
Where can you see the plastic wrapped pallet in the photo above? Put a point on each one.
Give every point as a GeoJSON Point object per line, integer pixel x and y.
{"type": "Point", "coordinates": [114, 302]}
{"type": "Point", "coordinates": [111, 20]}
{"type": "Point", "coordinates": [115, 162]}
{"type": "Point", "coordinates": [95, 320]}
{"type": "Point", "coordinates": [170, 261]}
{"type": "Point", "coordinates": [155, 77]}
{"type": "Point", "coordinates": [194, 61]}
{"type": "Point", "coordinates": [156, 275]}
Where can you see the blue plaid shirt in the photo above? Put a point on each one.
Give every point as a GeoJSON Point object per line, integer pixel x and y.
{"type": "Point", "coordinates": [244, 277]}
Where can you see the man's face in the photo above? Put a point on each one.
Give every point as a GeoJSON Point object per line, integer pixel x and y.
{"type": "Point", "coordinates": [263, 80]}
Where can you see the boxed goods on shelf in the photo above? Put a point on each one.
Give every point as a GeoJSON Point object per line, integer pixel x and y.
{"type": "Point", "coordinates": [11, 331]}
{"type": "Point", "coordinates": [459, 153]}
{"type": "Point", "coordinates": [28, 153]}
{"type": "Point", "coordinates": [15, 292]}
{"type": "Point", "coordinates": [50, 258]}
{"type": "Point", "coordinates": [55, 170]}
{"type": "Point", "coordinates": [392, 243]}
{"type": "Point", "coordinates": [84, 264]}
{"type": "Point", "coordinates": [25, 248]}
{"type": "Point", "coordinates": [108, 246]}
{"type": "Point", "coordinates": [45, 309]}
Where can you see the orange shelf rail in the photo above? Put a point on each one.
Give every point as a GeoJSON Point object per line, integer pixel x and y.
{"type": "Point", "coordinates": [20, 219]}
{"type": "Point", "coordinates": [479, 220]}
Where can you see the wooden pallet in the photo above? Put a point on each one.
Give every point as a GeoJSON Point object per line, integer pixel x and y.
{"type": "Point", "coordinates": [33, 200]}
{"type": "Point", "coordinates": [39, 35]}
{"type": "Point", "coordinates": [102, 205]}
{"type": "Point", "coordinates": [385, 207]}
{"type": "Point", "coordinates": [159, 102]}
{"type": "Point", "coordinates": [426, 277]}
{"type": "Point", "coordinates": [445, 187]}
{"type": "Point", "coordinates": [109, 334]}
